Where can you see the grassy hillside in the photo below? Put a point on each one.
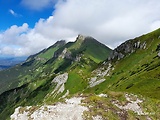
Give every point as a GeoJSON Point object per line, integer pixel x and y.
{"type": "Point", "coordinates": [29, 70]}
{"type": "Point", "coordinates": [139, 71]}
{"type": "Point", "coordinates": [95, 50]}
{"type": "Point", "coordinates": [90, 69]}
{"type": "Point", "coordinates": [30, 83]}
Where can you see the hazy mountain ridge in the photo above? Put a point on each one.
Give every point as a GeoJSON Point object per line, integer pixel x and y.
{"type": "Point", "coordinates": [105, 80]}
{"type": "Point", "coordinates": [7, 62]}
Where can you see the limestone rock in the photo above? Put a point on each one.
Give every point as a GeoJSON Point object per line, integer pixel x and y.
{"type": "Point", "coordinates": [159, 54]}
{"type": "Point", "coordinates": [60, 80]}
{"type": "Point", "coordinates": [126, 48]}
{"type": "Point", "coordinates": [70, 110]}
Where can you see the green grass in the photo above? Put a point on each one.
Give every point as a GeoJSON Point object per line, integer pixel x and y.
{"type": "Point", "coordinates": [137, 72]}
{"type": "Point", "coordinates": [49, 53]}
{"type": "Point", "coordinates": [75, 83]}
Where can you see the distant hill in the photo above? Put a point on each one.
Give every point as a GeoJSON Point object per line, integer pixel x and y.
{"type": "Point", "coordinates": [7, 62]}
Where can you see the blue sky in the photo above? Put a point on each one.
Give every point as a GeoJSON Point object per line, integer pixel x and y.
{"type": "Point", "coordinates": [28, 26]}
{"type": "Point", "coordinates": [21, 14]}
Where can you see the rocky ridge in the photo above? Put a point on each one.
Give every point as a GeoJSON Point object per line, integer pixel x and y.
{"type": "Point", "coordinates": [126, 48]}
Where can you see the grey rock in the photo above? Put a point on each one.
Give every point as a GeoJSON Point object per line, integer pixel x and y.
{"type": "Point", "coordinates": [158, 48]}
{"type": "Point", "coordinates": [126, 48]}
{"type": "Point", "coordinates": [120, 56]}
{"type": "Point", "coordinates": [64, 54]}
{"type": "Point", "coordinates": [159, 54]}
{"type": "Point", "coordinates": [137, 44]}
{"type": "Point", "coordinates": [143, 46]}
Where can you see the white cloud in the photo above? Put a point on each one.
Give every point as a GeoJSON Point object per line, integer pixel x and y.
{"type": "Point", "coordinates": [12, 12]}
{"type": "Point", "coordinates": [110, 22]}
{"type": "Point", "coordinates": [37, 4]}
{"type": "Point", "coordinates": [155, 25]}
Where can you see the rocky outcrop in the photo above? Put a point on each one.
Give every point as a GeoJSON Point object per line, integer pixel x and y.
{"type": "Point", "coordinates": [81, 37]}
{"type": "Point", "coordinates": [70, 110]}
{"type": "Point", "coordinates": [126, 48]}
{"type": "Point", "coordinates": [132, 105]}
{"type": "Point", "coordinates": [93, 82]}
{"type": "Point", "coordinates": [60, 80]}
{"type": "Point", "coordinates": [158, 50]}
{"type": "Point", "coordinates": [99, 75]}
{"type": "Point", "coordinates": [66, 54]}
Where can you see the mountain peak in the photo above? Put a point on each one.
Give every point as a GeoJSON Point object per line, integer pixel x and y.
{"type": "Point", "coordinates": [81, 37]}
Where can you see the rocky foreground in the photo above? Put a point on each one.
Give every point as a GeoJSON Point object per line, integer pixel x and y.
{"type": "Point", "coordinates": [90, 107]}
{"type": "Point", "coordinates": [70, 110]}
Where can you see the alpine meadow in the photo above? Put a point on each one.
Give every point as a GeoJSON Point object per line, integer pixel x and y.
{"type": "Point", "coordinates": [80, 60]}
{"type": "Point", "coordinates": [110, 84]}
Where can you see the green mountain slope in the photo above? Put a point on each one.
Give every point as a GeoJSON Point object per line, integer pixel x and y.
{"type": "Point", "coordinates": [120, 84]}
{"type": "Point", "coordinates": [30, 83]}
{"type": "Point", "coordinates": [136, 66]}
{"type": "Point", "coordinates": [27, 71]}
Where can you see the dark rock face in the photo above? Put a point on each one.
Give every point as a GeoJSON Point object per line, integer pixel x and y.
{"type": "Point", "coordinates": [56, 54]}
{"type": "Point", "coordinates": [158, 49]}
{"type": "Point", "coordinates": [64, 54]}
{"type": "Point", "coordinates": [67, 54]}
{"type": "Point", "coordinates": [126, 48]}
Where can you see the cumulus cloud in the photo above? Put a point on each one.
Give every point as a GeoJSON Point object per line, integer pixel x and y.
{"type": "Point", "coordinates": [37, 4]}
{"type": "Point", "coordinates": [21, 41]}
{"type": "Point", "coordinates": [110, 22]}
{"type": "Point", "coordinates": [155, 25]}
